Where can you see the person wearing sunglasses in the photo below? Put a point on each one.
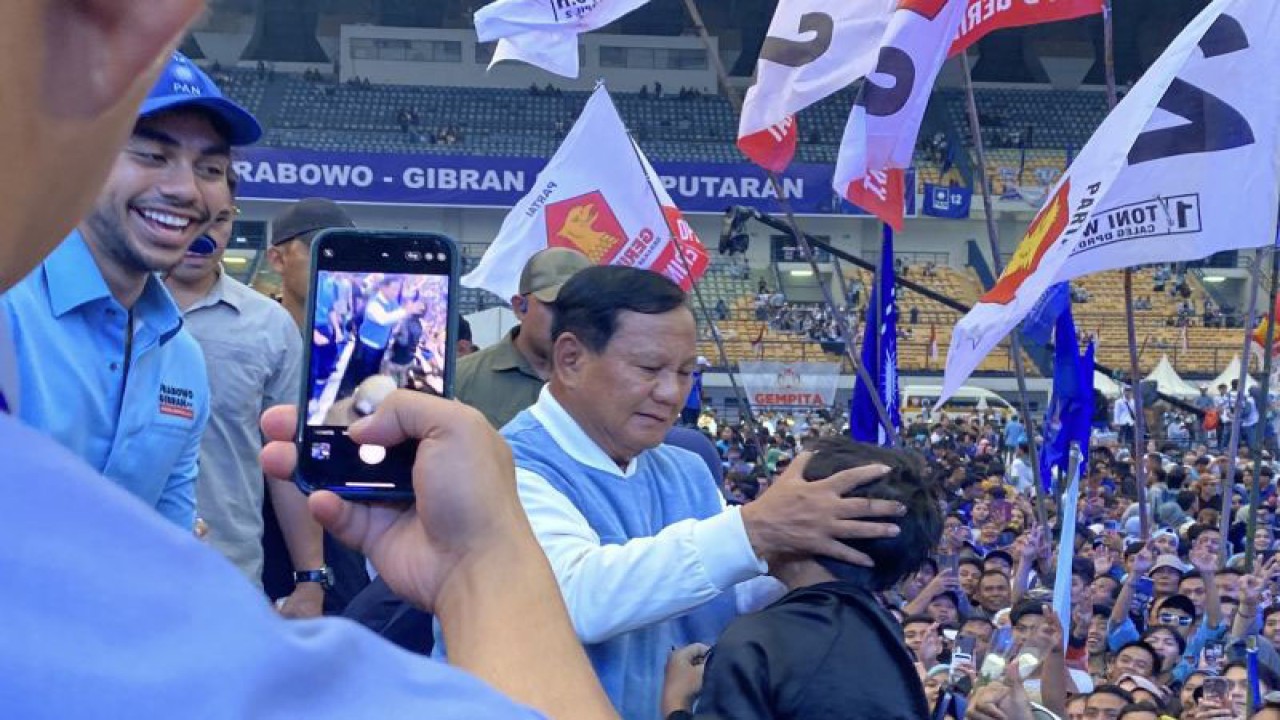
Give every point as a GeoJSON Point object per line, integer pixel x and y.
{"type": "Point", "coordinates": [1178, 613]}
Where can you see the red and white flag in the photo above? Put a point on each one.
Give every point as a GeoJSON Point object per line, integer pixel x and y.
{"type": "Point", "coordinates": [616, 214]}
{"type": "Point", "coordinates": [545, 32]}
{"type": "Point", "coordinates": [880, 137]}
{"type": "Point", "coordinates": [933, 343]}
{"type": "Point", "coordinates": [813, 49]}
{"type": "Point", "coordinates": [1187, 165]}
{"type": "Point", "coordinates": [986, 16]}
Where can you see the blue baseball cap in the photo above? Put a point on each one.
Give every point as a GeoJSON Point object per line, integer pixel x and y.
{"type": "Point", "coordinates": [185, 85]}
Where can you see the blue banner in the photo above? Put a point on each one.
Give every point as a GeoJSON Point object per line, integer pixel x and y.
{"type": "Point", "coordinates": [879, 356]}
{"type": "Point", "coordinates": [482, 181]}
{"type": "Point", "coordinates": [947, 202]}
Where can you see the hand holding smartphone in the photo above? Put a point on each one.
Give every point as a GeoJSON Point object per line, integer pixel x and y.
{"type": "Point", "coordinates": [382, 315]}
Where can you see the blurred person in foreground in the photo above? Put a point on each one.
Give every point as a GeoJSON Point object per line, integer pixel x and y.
{"type": "Point", "coordinates": [828, 646]}
{"type": "Point", "coordinates": [72, 76]}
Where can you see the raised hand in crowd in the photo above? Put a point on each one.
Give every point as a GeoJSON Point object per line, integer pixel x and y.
{"type": "Point", "coordinates": [1002, 700]}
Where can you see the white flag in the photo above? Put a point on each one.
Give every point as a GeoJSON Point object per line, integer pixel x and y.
{"type": "Point", "coordinates": [880, 136]}
{"type": "Point", "coordinates": [813, 49]}
{"type": "Point", "coordinates": [545, 32]}
{"type": "Point", "coordinates": [600, 196]}
{"type": "Point", "coordinates": [1186, 166]}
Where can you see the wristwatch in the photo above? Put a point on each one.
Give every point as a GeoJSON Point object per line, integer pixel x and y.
{"type": "Point", "coordinates": [324, 576]}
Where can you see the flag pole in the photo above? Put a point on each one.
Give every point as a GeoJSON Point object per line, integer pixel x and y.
{"type": "Point", "coordinates": [842, 323]}
{"type": "Point", "coordinates": [1260, 428]}
{"type": "Point", "coordinates": [993, 238]}
{"type": "Point", "coordinates": [1242, 382]}
{"type": "Point", "coordinates": [1139, 416]}
{"type": "Point", "coordinates": [744, 402]}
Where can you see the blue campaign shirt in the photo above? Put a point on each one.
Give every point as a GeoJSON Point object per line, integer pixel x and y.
{"type": "Point", "coordinates": [69, 334]}
{"type": "Point", "coordinates": [111, 612]}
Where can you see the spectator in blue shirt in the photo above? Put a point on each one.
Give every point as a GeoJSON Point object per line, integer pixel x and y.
{"type": "Point", "coordinates": [170, 628]}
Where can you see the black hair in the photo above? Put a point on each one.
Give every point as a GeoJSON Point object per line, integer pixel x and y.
{"type": "Point", "coordinates": [906, 482]}
{"type": "Point", "coordinates": [1137, 708]}
{"type": "Point", "coordinates": [1177, 638]}
{"type": "Point", "coordinates": [464, 329]}
{"type": "Point", "coordinates": [591, 301]}
{"type": "Point", "coordinates": [1001, 554]}
{"type": "Point", "coordinates": [1025, 608]}
{"type": "Point", "coordinates": [970, 560]}
{"type": "Point", "coordinates": [1114, 690]}
{"type": "Point", "coordinates": [1083, 569]}
{"type": "Point", "coordinates": [1145, 647]}
{"type": "Point", "coordinates": [1272, 610]}
{"type": "Point", "coordinates": [1265, 674]}
{"type": "Point", "coordinates": [915, 619]}
{"type": "Point", "coordinates": [1195, 531]}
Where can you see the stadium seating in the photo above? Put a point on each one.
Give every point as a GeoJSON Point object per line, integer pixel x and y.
{"type": "Point", "coordinates": [320, 114]}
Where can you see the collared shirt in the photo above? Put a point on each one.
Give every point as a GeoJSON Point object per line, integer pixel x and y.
{"type": "Point", "coordinates": [498, 381]}
{"type": "Point", "coordinates": [1122, 412]}
{"type": "Point", "coordinates": [254, 356]}
{"type": "Point", "coordinates": [610, 589]}
{"type": "Point", "coordinates": [169, 628]}
{"type": "Point", "coordinates": [141, 430]}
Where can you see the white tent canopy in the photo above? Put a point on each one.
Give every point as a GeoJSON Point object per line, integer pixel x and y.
{"type": "Point", "coordinates": [1232, 373]}
{"type": "Point", "coordinates": [1169, 382]}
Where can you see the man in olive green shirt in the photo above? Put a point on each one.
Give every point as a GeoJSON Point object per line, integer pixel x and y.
{"type": "Point", "coordinates": [505, 378]}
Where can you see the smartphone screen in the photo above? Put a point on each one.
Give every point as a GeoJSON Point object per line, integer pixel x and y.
{"type": "Point", "coordinates": [382, 316]}
{"type": "Point", "coordinates": [1143, 593]}
{"type": "Point", "coordinates": [1215, 690]}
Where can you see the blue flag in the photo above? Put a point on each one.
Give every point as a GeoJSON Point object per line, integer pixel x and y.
{"type": "Point", "coordinates": [1070, 411]}
{"type": "Point", "coordinates": [1038, 325]}
{"type": "Point", "coordinates": [879, 356]}
{"type": "Point", "coordinates": [947, 202]}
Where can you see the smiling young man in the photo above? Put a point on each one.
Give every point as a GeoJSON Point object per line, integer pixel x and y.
{"type": "Point", "coordinates": [103, 361]}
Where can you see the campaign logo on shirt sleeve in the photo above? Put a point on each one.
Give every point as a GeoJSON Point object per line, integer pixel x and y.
{"type": "Point", "coordinates": [177, 401]}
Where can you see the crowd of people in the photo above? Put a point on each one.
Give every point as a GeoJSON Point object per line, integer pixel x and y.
{"type": "Point", "coordinates": [1150, 617]}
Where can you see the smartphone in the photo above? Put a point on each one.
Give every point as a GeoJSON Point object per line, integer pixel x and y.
{"type": "Point", "coordinates": [382, 315]}
{"type": "Point", "coordinates": [1143, 593]}
{"type": "Point", "coordinates": [1216, 690]}
{"type": "Point", "coordinates": [1213, 656]}
{"type": "Point", "coordinates": [963, 652]}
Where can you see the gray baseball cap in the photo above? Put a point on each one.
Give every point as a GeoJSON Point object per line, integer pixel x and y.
{"type": "Point", "coordinates": [548, 270]}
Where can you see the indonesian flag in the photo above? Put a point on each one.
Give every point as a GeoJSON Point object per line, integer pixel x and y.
{"type": "Point", "coordinates": [616, 213]}
{"type": "Point", "coordinates": [985, 16]}
{"type": "Point", "coordinates": [880, 137]}
{"type": "Point", "coordinates": [545, 32]}
{"type": "Point", "coordinates": [933, 342]}
{"type": "Point", "coordinates": [813, 49]}
{"type": "Point", "coordinates": [1187, 165]}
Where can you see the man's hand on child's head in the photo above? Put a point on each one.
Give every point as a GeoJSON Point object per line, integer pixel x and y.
{"type": "Point", "coordinates": [804, 518]}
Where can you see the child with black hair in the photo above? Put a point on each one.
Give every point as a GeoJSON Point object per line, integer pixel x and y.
{"type": "Point", "coordinates": [828, 649]}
